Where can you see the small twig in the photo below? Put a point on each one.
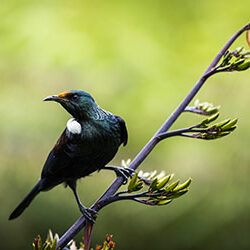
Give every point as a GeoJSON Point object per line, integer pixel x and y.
{"type": "Point", "coordinates": [190, 136]}
{"type": "Point", "coordinates": [116, 197]}
{"type": "Point", "coordinates": [134, 197]}
{"type": "Point", "coordinates": [177, 132]}
{"type": "Point", "coordinates": [225, 69]}
{"type": "Point", "coordinates": [80, 223]}
{"type": "Point", "coordinates": [196, 111]}
{"type": "Point", "coordinates": [121, 192]}
{"type": "Point", "coordinates": [197, 136]}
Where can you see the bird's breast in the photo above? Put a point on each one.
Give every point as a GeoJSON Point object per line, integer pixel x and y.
{"type": "Point", "coordinates": [96, 144]}
{"type": "Point", "coordinates": [76, 155]}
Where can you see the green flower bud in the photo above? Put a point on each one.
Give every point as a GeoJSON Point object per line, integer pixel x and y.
{"type": "Point", "coordinates": [212, 110]}
{"type": "Point", "coordinates": [170, 187]}
{"type": "Point", "coordinates": [183, 185]}
{"type": "Point", "coordinates": [178, 194]}
{"type": "Point", "coordinates": [138, 186]}
{"type": "Point", "coordinates": [229, 124]}
{"type": "Point", "coordinates": [132, 183]}
{"type": "Point", "coordinates": [209, 120]}
{"type": "Point", "coordinates": [53, 246]}
{"type": "Point", "coordinates": [220, 124]}
{"type": "Point", "coordinates": [227, 57]}
{"type": "Point", "coordinates": [163, 202]}
{"type": "Point", "coordinates": [153, 185]}
{"type": "Point", "coordinates": [243, 66]}
{"type": "Point", "coordinates": [223, 134]}
{"type": "Point", "coordinates": [238, 62]}
{"type": "Point", "coordinates": [213, 117]}
{"type": "Point", "coordinates": [163, 182]}
{"type": "Point", "coordinates": [171, 177]}
{"type": "Point", "coordinates": [239, 49]}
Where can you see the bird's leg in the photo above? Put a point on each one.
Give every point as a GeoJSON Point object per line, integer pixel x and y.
{"type": "Point", "coordinates": [88, 213]}
{"type": "Point", "coordinates": [120, 171]}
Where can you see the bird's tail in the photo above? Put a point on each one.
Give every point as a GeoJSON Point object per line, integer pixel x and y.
{"type": "Point", "coordinates": [27, 200]}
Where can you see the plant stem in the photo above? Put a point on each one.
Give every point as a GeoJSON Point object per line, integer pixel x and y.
{"type": "Point", "coordinates": [80, 223]}
{"type": "Point", "coordinates": [172, 133]}
{"type": "Point", "coordinates": [195, 111]}
{"type": "Point", "coordinates": [121, 197]}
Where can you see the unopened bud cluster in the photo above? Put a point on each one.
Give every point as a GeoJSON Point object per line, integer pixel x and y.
{"type": "Point", "coordinates": [236, 60]}
{"type": "Point", "coordinates": [205, 129]}
{"type": "Point", "coordinates": [159, 189]}
{"type": "Point", "coordinates": [216, 130]}
{"type": "Point", "coordinates": [208, 108]}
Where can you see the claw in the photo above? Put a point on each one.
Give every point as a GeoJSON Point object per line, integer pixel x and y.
{"type": "Point", "coordinates": [88, 213]}
{"type": "Point", "coordinates": [125, 173]}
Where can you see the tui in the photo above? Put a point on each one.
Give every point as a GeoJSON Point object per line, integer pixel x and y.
{"type": "Point", "coordinates": [90, 140]}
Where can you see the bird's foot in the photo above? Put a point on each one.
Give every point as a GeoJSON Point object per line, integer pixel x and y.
{"type": "Point", "coordinates": [124, 172]}
{"type": "Point", "coordinates": [88, 213]}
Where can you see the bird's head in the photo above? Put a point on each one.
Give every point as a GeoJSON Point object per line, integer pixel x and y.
{"type": "Point", "coordinates": [78, 103]}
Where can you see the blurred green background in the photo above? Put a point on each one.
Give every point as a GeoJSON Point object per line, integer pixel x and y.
{"type": "Point", "coordinates": [138, 59]}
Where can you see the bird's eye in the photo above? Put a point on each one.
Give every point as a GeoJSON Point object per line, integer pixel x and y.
{"type": "Point", "coordinates": [75, 97]}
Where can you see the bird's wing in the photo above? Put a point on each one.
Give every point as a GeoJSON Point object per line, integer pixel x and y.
{"type": "Point", "coordinates": [124, 132]}
{"type": "Point", "coordinates": [58, 158]}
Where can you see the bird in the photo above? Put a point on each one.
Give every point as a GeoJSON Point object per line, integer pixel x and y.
{"type": "Point", "coordinates": [90, 140]}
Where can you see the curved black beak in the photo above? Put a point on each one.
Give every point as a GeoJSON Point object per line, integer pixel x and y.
{"type": "Point", "coordinates": [54, 98]}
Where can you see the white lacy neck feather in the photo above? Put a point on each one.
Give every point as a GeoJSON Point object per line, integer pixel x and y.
{"type": "Point", "coordinates": [73, 126]}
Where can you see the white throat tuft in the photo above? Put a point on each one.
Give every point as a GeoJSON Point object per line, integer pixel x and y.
{"type": "Point", "coordinates": [73, 126]}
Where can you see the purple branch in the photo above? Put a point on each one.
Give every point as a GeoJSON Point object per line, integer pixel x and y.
{"type": "Point", "coordinates": [196, 111]}
{"type": "Point", "coordinates": [80, 223]}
